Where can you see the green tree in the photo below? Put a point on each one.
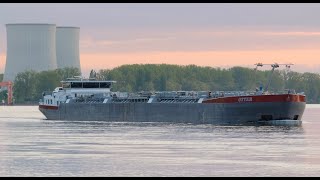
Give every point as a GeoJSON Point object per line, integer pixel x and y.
{"type": "Point", "coordinates": [3, 96]}
{"type": "Point", "coordinates": [68, 72]}
{"type": "Point", "coordinates": [24, 88]}
{"type": "Point", "coordinates": [29, 85]}
{"type": "Point", "coordinates": [244, 78]}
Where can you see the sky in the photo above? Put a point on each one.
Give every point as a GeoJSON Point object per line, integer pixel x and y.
{"type": "Point", "coordinates": [204, 34]}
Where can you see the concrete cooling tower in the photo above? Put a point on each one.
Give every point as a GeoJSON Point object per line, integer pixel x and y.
{"type": "Point", "coordinates": [30, 47]}
{"type": "Point", "coordinates": [67, 45]}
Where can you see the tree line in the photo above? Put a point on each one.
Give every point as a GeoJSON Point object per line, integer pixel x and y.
{"type": "Point", "coordinates": [29, 85]}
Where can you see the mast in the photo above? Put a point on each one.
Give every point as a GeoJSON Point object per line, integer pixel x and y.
{"type": "Point", "coordinates": [275, 65]}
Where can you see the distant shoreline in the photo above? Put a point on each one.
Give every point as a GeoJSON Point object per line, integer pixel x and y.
{"type": "Point", "coordinates": [21, 104]}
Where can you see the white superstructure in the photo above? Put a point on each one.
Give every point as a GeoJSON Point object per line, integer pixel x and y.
{"type": "Point", "coordinates": [76, 88]}
{"type": "Point", "coordinates": [30, 47]}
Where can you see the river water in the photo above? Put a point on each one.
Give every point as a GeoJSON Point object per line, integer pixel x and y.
{"type": "Point", "coordinates": [32, 146]}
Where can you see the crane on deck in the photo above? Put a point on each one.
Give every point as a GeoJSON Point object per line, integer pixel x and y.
{"type": "Point", "coordinates": [275, 65]}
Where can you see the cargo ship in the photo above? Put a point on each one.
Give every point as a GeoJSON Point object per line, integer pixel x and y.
{"type": "Point", "coordinates": [80, 99]}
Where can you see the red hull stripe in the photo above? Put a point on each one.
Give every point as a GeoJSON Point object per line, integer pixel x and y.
{"type": "Point", "coordinates": [260, 98]}
{"type": "Point", "coordinates": [48, 107]}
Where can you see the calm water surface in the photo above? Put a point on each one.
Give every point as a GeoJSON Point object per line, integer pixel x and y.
{"type": "Point", "coordinates": [32, 146]}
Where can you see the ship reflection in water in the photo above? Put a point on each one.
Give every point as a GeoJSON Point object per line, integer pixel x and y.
{"type": "Point", "coordinates": [32, 146]}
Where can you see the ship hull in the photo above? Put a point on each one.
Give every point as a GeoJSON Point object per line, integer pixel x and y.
{"type": "Point", "coordinates": [250, 113]}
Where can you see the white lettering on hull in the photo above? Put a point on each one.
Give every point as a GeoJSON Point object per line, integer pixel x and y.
{"type": "Point", "coordinates": [245, 99]}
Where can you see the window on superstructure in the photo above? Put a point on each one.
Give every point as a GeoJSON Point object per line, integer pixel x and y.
{"type": "Point", "coordinates": [66, 85]}
{"type": "Point", "coordinates": [91, 85]}
{"type": "Point", "coordinates": [76, 84]}
{"type": "Point", "coordinates": [105, 85]}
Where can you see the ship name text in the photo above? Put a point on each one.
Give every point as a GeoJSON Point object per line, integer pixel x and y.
{"type": "Point", "coordinates": [245, 99]}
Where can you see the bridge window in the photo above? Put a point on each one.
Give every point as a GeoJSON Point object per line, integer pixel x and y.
{"type": "Point", "coordinates": [66, 85]}
{"type": "Point", "coordinates": [76, 84]}
{"type": "Point", "coordinates": [105, 85]}
{"type": "Point", "coordinates": [90, 85]}
{"type": "Point", "coordinates": [87, 85]}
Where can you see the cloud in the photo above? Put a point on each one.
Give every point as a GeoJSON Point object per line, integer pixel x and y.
{"type": "Point", "coordinates": [90, 42]}
{"type": "Point", "coordinates": [292, 33]}
{"type": "Point", "coordinates": [163, 32]}
{"type": "Point", "coordinates": [202, 58]}
{"type": "Point", "coordinates": [197, 40]}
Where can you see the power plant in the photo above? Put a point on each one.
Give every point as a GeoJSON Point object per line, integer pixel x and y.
{"type": "Point", "coordinates": [67, 46]}
{"type": "Point", "coordinates": [40, 47]}
{"type": "Point", "coordinates": [30, 47]}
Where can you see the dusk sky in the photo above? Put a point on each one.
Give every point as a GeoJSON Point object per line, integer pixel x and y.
{"type": "Point", "coordinates": [214, 34]}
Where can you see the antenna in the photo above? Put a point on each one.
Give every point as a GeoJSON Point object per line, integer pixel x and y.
{"type": "Point", "coordinates": [255, 72]}
{"type": "Point", "coordinates": [257, 65]}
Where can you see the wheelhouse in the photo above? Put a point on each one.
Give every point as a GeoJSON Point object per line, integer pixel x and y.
{"type": "Point", "coordinates": [75, 83]}
{"type": "Point", "coordinates": [86, 84]}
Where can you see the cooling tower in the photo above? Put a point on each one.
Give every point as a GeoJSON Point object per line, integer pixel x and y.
{"type": "Point", "coordinates": [67, 45]}
{"type": "Point", "coordinates": [30, 47]}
